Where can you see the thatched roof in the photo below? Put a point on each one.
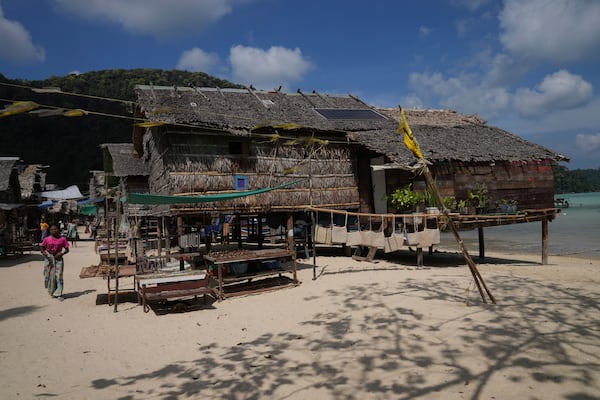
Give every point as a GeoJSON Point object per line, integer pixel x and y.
{"type": "Point", "coordinates": [241, 110]}
{"type": "Point", "coordinates": [443, 135]}
{"type": "Point", "coordinates": [28, 178]}
{"type": "Point", "coordinates": [125, 161]}
{"type": "Point", "coordinates": [7, 164]}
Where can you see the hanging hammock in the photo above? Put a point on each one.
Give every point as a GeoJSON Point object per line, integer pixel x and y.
{"type": "Point", "coordinates": [142, 198]}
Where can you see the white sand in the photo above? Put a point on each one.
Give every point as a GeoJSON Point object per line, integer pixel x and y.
{"type": "Point", "coordinates": [360, 331]}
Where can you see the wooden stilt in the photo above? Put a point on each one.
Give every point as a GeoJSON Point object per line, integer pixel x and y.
{"type": "Point", "coordinates": [545, 241]}
{"type": "Point", "coordinates": [260, 231]}
{"type": "Point", "coordinates": [481, 240]}
{"type": "Point", "coordinates": [312, 237]}
{"type": "Point", "coordinates": [419, 257]}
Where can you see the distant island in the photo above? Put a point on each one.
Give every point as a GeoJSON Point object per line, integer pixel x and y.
{"type": "Point", "coordinates": [576, 181]}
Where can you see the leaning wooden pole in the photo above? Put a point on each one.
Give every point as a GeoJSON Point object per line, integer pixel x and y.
{"type": "Point", "coordinates": [411, 143]}
{"type": "Point", "coordinates": [472, 267]}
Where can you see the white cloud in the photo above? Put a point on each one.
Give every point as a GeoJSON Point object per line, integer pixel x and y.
{"type": "Point", "coordinates": [424, 30]}
{"type": "Point", "coordinates": [588, 143]}
{"type": "Point", "coordinates": [411, 101]}
{"type": "Point", "coordinates": [463, 93]}
{"type": "Point", "coordinates": [470, 4]}
{"type": "Point", "coordinates": [267, 69]}
{"type": "Point", "coordinates": [504, 70]}
{"type": "Point", "coordinates": [197, 60]}
{"type": "Point", "coordinates": [552, 30]}
{"type": "Point", "coordinates": [15, 42]}
{"type": "Point", "coordinates": [559, 91]}
{"type": "Point", "coordinates": [154, 17]}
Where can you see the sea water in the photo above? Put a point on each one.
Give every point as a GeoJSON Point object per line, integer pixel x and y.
{"type": "Point", "coordinates": [575, 231]}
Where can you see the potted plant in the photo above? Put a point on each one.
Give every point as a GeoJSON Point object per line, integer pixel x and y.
{"type": "Point", "coordinates": [507, 205]}
{"type": "Point", "coordinates": [450, 203]}
{"type": "Point", "coordinates": [463, 206]}
{"type": "Point", "coordinates": [406, 199]}
{"type": "Point", "coordinates": [479, 198]}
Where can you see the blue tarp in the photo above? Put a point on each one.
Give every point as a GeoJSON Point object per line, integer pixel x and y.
{"type": "Point", "coordinates": [90, 200]}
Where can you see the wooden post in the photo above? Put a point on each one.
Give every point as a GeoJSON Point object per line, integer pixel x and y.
{"type": "Point", "coordinates": [159, 235]}
{"type": "Point", "coordinates": [312, 242]}
{"type": "Point", "coordinates": [290, 232]}
{"type": "Point", "coordinates": [545, 241]}
{"type": "Point", "coordinates": [116, 252]}
{"type": "Point", "coordinates": [260, 231]}
{"type": "Point", "coordinates": [419, 257]}
{"type": "Point", "coordinates": [481, 243]}
{"type": "Point", "coordinates": [179, 227]}
{"type": "Point", "coordinates": [239, 230]}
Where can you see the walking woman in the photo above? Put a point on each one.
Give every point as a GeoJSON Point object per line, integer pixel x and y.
{"type": "Point", "coordinates": [72, 234]}
{"type": "Point", "coordinates": [54, 247]}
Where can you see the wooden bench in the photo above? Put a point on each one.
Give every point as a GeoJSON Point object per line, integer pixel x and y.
{"type": "Point", "coordinates": [173, 290]}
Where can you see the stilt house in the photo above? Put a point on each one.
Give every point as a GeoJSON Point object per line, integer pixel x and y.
{"type": "Point", "coordinates": [214, 141]}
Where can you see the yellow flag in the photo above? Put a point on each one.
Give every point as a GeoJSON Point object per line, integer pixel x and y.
{"type": "Point", "coordinates": [18, 107]}
{"type": "Point", "coordinates": [409, 140]}
{"type": "Point", "coordinates": [150, 124]}
{"type": "Point", "coordinates": [75, 113]}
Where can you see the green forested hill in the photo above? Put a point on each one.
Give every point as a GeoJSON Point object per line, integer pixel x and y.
{"type": "Point", "coordinates": [576, 181]}
{"type": "Point", "coordinates": [70, 145]}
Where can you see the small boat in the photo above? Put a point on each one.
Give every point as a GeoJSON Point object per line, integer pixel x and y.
{"type": "Point", "coordinates": [561, 203]}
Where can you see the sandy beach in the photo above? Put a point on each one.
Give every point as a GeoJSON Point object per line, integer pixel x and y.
{"type": "Point", "coordinates": [382, 330]}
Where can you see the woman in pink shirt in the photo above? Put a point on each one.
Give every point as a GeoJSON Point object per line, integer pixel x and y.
{"type": "Point", "coordinates": [54, 247]}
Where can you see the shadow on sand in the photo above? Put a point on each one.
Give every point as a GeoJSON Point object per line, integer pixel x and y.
{"type": "Point", "coordinates": [365, 344]}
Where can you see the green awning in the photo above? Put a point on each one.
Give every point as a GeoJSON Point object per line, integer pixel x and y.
{"type": "Point", "coordinates": [142, 198]}
{"type": "Point", "coordinates": [88, 209]}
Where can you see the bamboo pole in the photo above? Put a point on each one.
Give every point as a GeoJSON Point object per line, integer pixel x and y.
{"type": "Point", "coordinates": [438, 198]}
{"type": "Point", "coordinates": [472, 267]}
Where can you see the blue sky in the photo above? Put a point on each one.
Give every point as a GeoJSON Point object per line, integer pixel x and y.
{"type": "Point", "coordinates": [531, 67]}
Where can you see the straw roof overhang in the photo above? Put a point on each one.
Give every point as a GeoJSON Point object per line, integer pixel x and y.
{"type": "Point", "coordinates": [7, 165]}
{"type": "Point", "coordinates": [445, 135]}
{"type": "Point", "coordinates": [125, 161]}
{"type": "Point", "coordinates": [240, 111]}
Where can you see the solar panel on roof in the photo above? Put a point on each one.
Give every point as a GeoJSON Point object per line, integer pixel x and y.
{"type": "Point", "coordinates": [346, 113]}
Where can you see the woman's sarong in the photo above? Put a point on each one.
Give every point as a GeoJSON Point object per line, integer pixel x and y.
{"type": "Point", "coordinates": [53, 275]}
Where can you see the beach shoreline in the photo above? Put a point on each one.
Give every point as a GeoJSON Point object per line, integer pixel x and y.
{"type": "Point", "coordinates": [360, 330]}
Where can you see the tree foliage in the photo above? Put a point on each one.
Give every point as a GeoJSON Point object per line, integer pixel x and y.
{"type": "Point", "coordinates": [576, 181]}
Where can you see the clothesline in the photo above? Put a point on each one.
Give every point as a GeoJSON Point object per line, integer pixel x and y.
{"type": "Point", "coordinates": [357, 214]}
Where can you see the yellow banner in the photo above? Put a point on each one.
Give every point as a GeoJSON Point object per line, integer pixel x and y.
{"type": "Point", "coordinates": [409, 139]}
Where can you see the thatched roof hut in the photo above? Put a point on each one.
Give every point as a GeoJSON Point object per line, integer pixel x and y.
{"type": "Point", "coordinates": [212, 136]}
{"type": "Point", "coordinates": [32, 180]}
{"type": "Point", "coordinates": [10, 191]}
{"type": "Point", "coordinates": [124, 161]}
{"type": "Point", "coordinates": [204, 137]}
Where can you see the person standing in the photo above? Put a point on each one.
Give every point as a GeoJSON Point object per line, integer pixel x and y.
{"type": "Point", "coordinates": [53, 248]}
{"type": "Point", "coordinates": [43, 229]}
{"type": "Point", "coordinates": [72, 234]}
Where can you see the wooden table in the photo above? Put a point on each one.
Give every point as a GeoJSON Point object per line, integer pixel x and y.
{"type": "Point", "coordinates": [164, 286]}
{"type": "Point", "coordinates": [220, 260]}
